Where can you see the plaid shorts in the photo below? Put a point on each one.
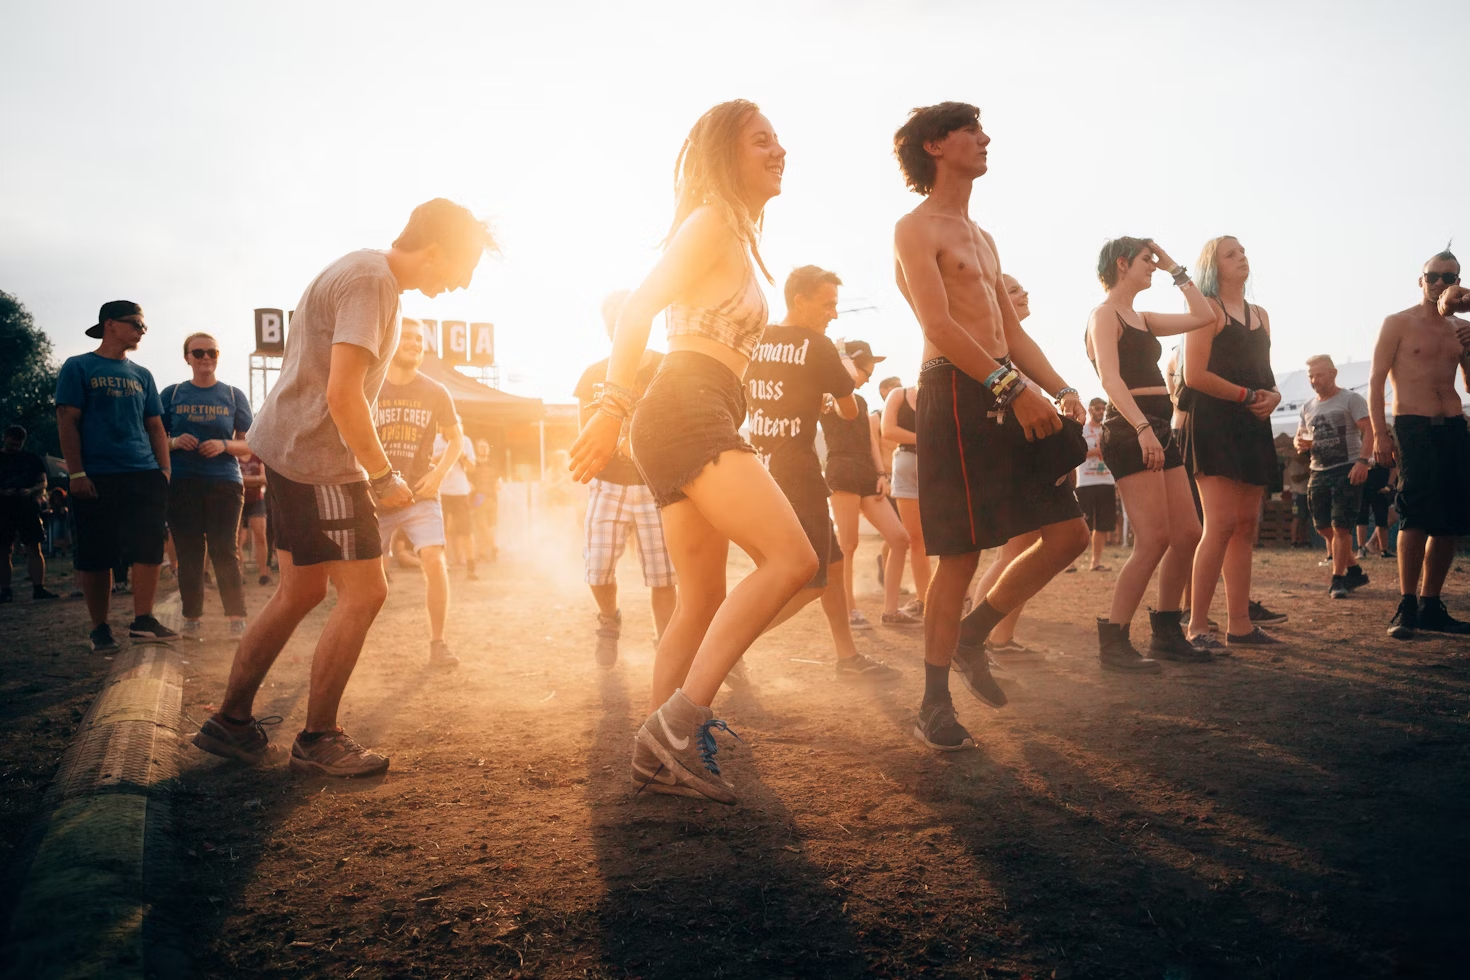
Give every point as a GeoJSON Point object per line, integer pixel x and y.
{"type": "Point", "coordinates": [613, 510]}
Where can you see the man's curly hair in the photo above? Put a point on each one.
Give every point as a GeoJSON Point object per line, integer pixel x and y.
{"type": "Point", "coordinates": [933, 122]}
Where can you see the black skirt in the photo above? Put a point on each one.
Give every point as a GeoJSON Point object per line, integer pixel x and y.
{"type": "Point", "coordinates": [852, 474]}
{"type": "Point", "coordinates": [1224, 439]}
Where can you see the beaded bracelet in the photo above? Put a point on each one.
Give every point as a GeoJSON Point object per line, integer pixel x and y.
{"type": "Point", "coordinates": [614, 400]}
{"type": "Point", "coordinates": [1181, 276]}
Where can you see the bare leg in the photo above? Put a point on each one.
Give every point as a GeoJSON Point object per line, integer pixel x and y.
{"type": "Point", "coordinates": [663, 598]}
{"type": "Point", "coordinates": [1438, 558]}
{"type": "Point", "coordinates": [1098, 540]}
{"type": "Point", "coordinates": [1184, 534]}
{"type": "Point", "coordinates": [145, 587]}
{"type": "Point", "coordinates": [1238, 555]}
{"type": "Point", "coordinates": [834, 604]}
{"type": "Point", "coordinates": [1218, 500]}
{"type": "Point", "coordinates": [908, 511]}
{"type": "Point", "coordinates": [1059, 546]}
{"type": "Point", "coordinates": [97, 588]}
{"type": "Point", "coordinates": [1145, 499]}
{"type": "Point", "coordinates": [1341, 541]}
{"type": "Point", "coordinates": [361, 591]}
{"type": "Point", "coordinates": [607, 598]}
{"type": "Point", "coordinates": [436, 589]}
{"type": "Point", "coordinates": [301, 590]}
{"type": "Point", "coordinates": [1005, 630]}
{"type": "Point", "coordinates": [36, 565]}
{"type": "Point", "coordinates": [734, 499]}
{"type": "Point", "coordinates": [1412, 544]}
{"type": "Point", "coordinates": [845, 509]}
{"type": "Point", "coordinates": [942, 607]}
{"type": "Point", "coordinates": [895, 546]}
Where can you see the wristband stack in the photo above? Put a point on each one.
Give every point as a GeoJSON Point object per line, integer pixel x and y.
{"type": "Point", "coordinates": [1006, 384]}
{"type": "Point", "coordinates": [613, 400]}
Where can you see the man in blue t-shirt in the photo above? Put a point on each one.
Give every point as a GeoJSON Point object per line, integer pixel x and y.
{"type": "Point", "coordinates": [108, 417]}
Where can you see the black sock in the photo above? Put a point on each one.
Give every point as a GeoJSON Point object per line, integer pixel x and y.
{"type": "Point", "coordinates": [235, 721]}
{"type": "Point", "coordinates": [975, 627]}
{"type": "Point", "coordinates": [936, 683]}
{"type": "Point", "coordinates": [1355, 567]}
{"type": "Point", "coordinates": [309, 737]}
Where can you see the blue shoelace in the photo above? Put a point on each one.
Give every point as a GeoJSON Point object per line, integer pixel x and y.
{"type": "Point", "coordinates": [707, 746]}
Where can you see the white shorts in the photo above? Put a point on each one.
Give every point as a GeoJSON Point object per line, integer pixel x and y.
{"type": "Point", "coordinates": [612, 511]}
{"type": "Point", "coordinates": [422, 521]}
{"type": "Point", "coordinates": [905, 483]}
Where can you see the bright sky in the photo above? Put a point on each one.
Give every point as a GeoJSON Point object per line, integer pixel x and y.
{"type": "Point", "coordinates": [207, 159]}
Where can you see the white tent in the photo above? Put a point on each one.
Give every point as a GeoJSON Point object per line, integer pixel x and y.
{"type": "Point", "coordinates": [1295, 390]}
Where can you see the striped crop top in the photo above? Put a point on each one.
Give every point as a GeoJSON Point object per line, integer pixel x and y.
{"type": "Point", "coordinates": [738, 322]}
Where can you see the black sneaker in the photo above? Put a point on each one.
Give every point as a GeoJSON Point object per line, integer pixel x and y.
{"type": "Point", "coordinates": [1260, 614]}
{"type": "Point", "coordinates": [973, 666]}
{"type": "Point", "coordinates": [1338, 589]}
{"type": "Point", "coordinates": [40, 593]}
{"type": "Point", "coordinates": [938, 728]}
{"type": "Point", "coordinates": [148, 628]}
{"type": "Point", "coordinates": [1255, 638]}
{"type": "Point", "coordinates": [1355, 578]}
{"type": "Point", "coordinates": [102, 641]}
{"type": "Point", "coordinates": [1433, 616]}
{"type": "Point", "coordinates": [1389, 554]}
{"type": "Point", "coordinates": [861, 668]}
{"type": "Point", "coordinates": [1013, 652]}
{"type": "Point", "coordinates": [1405, 620]}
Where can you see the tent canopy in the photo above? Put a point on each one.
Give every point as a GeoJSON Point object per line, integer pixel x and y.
{"type": "Point", "coordinates": [480, 404]}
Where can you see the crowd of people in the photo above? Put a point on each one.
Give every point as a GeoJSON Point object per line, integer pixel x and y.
{"type": "Point", "coordinates": [715, 443]}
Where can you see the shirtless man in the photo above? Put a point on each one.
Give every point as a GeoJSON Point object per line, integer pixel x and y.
{"type": "Point", "coordinates": [1418, 350]}
{"type": "Point", "coordinates": [985, 475]}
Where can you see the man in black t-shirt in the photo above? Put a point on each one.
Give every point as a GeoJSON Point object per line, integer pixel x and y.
{"type": "Point", "coordinates": [411, 410]}
{"type": "Point", "coordinates": [22, 481]}
{"type": "Point", "coordinates": [792, 370]}
{"type": "Point", "coordinates": [619, 503]}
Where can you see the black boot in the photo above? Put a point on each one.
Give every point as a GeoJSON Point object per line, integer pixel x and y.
{"type": "Point", "coordinates": [1115, 650]}
{"type": "Point", "coordinates": [1168, 641]}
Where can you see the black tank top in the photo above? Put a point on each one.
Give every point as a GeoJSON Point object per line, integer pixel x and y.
{"type": "Point", "coordinates": [848, 437]}
{"type": "Point", "coordinates": [1138, 357]}
{"type": "Point", "coordinates": [907, 421]}
{"type": "Point", "coordinates": [1241, 355]}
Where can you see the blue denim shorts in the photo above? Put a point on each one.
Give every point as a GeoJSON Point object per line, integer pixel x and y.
{"type": "Point", "coordinates": [690, 414]}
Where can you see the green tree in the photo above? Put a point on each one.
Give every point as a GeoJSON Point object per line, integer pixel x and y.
{"type": "Point", "coordinates": [27, 376]}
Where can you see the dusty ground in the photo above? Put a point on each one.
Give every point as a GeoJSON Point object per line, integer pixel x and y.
{"type": "Point", "coordinates": [1298, 814]}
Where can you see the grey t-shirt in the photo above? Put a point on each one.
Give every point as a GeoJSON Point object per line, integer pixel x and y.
{"type": "Point", "coordinates": [352, 301]}
{"type": "Point", "coordinates": [1332, 425]}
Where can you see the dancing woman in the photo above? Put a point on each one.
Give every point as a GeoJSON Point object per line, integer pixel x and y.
{"type": "Point", "coordinates": [899, 423]}
{"type": "Point", "coordinates": [709, 485]}
{"type": "Point", "coordinates": [1140, 451]}
{"type": "Point", "coordinates": [1230, 395]}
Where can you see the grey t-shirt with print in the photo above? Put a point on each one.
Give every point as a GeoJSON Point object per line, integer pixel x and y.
{"type": "Point", "coordinates": [352, 301]}
{"type": "Point", "coordinates": [1332, 425]}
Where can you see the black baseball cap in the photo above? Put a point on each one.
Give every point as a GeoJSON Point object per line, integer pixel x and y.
{"type": "Point", "coordinates": [862, 355]}
{"type": "Point", "coordinates": [115, 310]}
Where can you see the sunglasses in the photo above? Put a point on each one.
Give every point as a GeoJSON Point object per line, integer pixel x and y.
{"type": "Point", "coordinates": [199, 353]}
{"type": "Point", "coordinates": [137, 325]}
{"type": "Point", "coordinates": [1448, 278]}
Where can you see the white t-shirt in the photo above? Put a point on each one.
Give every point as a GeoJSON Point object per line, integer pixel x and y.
{"type": "Point", "coordinates": [455, 484]}
{"type": "Point", "coordinates": [1093, 472]}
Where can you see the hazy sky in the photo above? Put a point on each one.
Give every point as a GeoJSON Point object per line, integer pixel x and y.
{"type": "Point", "coordinates": [206, 159]}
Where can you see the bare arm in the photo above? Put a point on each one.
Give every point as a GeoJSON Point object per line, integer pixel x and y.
{"type": "Point", "coordinates": [158, 439]}
{"type": "Point", "coordinates": [1384, 352]}
{"type": "Point", "coordinates": [349, 407]}
{"type": "Point", "coordinates": [1200, 314]}
{"type": "Point", "coordinates": [922, 285]}
{"type": "Point", "coordinates": [68, 431]}
{"type": "Point", "coordinates": [1197, 348]}
{"type": "Point", "coordinates": [453, 435]}
{"type": "Point", "coordinates": [891, 429]}
{"type": "Point", "coordinates": [695, 249]}
{"type": "Point", "coordinates": [846, 407]}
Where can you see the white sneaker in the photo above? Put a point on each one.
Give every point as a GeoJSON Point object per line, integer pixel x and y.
{"type": "Point", "coordinates": [858, 621]}
{"type": "Point", "coordinates": [237, 628]}
{"type": "Point", "coordinates": [193, 629]}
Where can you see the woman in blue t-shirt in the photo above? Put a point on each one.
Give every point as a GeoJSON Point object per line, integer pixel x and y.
{"type": "Point", "coordinates": [206, 421]}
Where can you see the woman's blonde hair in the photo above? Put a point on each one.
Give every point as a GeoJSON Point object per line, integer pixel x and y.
{"type": "Point", "coordinates": [706, 173]}
{"type": "Point", "coordinates": [1208, 274]}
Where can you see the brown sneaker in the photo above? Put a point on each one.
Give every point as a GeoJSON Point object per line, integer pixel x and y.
{"type": "Point", "coordinates": [439, 656]}
{"type": "Point", "coordinates": [901, 618]}
{"type": "Point", "coordinates": [247, 742]}
{"type": "Point", "coordinates": [335, 753]}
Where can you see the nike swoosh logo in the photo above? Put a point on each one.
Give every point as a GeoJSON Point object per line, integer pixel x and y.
{"type": "Point", "coordinates": [679, 744]}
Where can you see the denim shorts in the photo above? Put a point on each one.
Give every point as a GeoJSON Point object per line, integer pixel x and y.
{"type": "Point", "coordinates": [690, 414]}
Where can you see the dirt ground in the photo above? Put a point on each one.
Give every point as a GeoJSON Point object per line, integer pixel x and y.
{"type": "Point", "coordinates": [1298, 814]}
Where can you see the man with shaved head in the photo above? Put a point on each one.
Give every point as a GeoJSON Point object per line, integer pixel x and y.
{"type": "Point", "coordinates": [619, 503]}
{"type": "Point", "coordinates": [1419, 350]}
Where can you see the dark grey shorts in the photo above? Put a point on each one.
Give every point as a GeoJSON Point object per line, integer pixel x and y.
{"type": "Point", "coordinates": [690, 414]}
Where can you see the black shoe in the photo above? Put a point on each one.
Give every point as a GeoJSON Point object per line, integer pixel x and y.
{"type": "Point", "coordinates": [1355, 578]}
{"type": "Point", "coordinates": [1168, 642]}
{"type": "Point", "coordinates": [1389, 554]}
{"type": "Point", "coordinates": [265, 580]}
{"type": "Point", "coordinates": [1255, 638]}
{"type": "Point", "coordinates": [1405, 620]}
{"type": "Point", "coordinates": [973, 666]}
{"type": "Point", "coordinates": [938, 728]}
{"type": "Point", "coordinates": [861, 668]}
{"type": "Point", "coordinates": [102, 641]}
{"type": "Point", "coordinates": [1338, 589]}
{"type": "Point", "coordinates": [1433, 616]}
{"type": "Point", "coordinates": [6, 595]}
{"type": "Point", "coordinates": [40, 593]}
{"type": "Point", "coordinates": [148, 628]}
{"type": "Point", "coordinates": [1260, 614]}
{"type": "Point", "coordinates": [1013, 652]}
{"type": "Point", "coordinates": [1115, 650]}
